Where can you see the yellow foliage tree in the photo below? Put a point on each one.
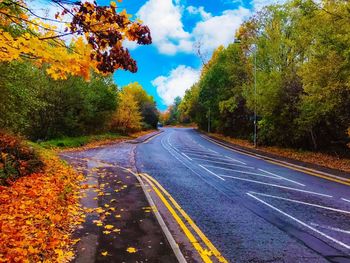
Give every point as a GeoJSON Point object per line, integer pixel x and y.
{"type": "Point", "coordinates": [98, 33]}
{"type": "Point", "coordinates": [127, 117]}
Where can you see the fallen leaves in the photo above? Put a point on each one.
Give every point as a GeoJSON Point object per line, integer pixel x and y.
{"type": "Point", "coordinates": [131, 250]}
{"type": "Point", "coordinates": [38, 214]}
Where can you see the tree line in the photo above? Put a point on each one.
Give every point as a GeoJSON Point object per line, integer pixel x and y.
{"type": "Point", "coordinates": [289, 64]}
{"type": "Point", "coordinates": [41, 108]}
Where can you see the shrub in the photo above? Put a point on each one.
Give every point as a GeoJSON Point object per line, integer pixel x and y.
{"type": "Point", "coordinates": [16, 158]}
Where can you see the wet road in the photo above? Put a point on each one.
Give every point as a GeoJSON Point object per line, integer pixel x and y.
{"type": "Point", "coordinates": [251, 210]}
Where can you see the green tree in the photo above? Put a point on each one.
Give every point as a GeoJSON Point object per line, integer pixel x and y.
{"type": "Point", "coordinates": [147, 105]}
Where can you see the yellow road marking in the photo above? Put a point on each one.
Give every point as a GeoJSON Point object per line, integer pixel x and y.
{"type": "Point", "coordinates": [149, 139]}
{"type": "Point", "coordinates": [207, 242]}
{"type": "Point", "coordinates": [187, 232]}
{"type": "Point", "coordinates": [344, 182]}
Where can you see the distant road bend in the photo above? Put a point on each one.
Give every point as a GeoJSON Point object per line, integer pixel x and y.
{"type": "Point", "coordinates": [250, 209]}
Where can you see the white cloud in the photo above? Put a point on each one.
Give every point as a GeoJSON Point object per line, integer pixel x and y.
{"type": "Point", "coordinates": [176, 83]}
{"type": "Point", "coordinates": [198, 11]}
{"type": "Point", "coordinates": [219, 30]}
{"type": "Point", "coordinates": [164, 20]}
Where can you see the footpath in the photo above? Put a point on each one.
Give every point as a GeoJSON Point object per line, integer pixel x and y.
{"type": "Point", "coordinates": [120, 224]}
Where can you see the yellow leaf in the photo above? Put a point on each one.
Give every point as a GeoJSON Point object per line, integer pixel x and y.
{"type": "Point", "coordinates": [109, 226]}
{"type": "Point", "coordinates": [131, 250]}
{"type": "Point", "coordinates": [105, 253]}
{"type": "Point", "coordinates": [113, 4]}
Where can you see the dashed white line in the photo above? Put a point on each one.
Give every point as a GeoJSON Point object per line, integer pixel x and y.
{"type": "Point", "coordinates": [186, 156]}
{"type": "Point", "coordinates": [226, 163]}
{"type": "Point", "coordinates": [289, 180]}
{"type": "Point", "coordinates": [243, 172]}
{"type": "Point", "coordinates": [300, 222]}
{"type": "Point", "coordinates": [346, 200]}
{"type": "Point", "coordinates": [211, 172]}
{"type": "Point", "coordinates": [276, 185]}
{"type": "Point", "coordinates": [235, 160]}
{"type": "Point", "coordinates": [304, 203]}
{"type": "Point", "coordinates": [332, 228]}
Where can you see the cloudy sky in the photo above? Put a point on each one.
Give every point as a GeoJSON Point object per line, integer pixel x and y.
{"type": "Point", "coordinates": [170, 65]}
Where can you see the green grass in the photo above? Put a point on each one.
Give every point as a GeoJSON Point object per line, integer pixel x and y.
{"type": "Point", "coordinates": [71, 142]}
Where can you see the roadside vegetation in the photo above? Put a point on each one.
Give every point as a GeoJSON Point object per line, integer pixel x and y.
{"type": "Point", "coordinates": [59, 94]}
{"type": "Point", "coordinates": [302, 95]}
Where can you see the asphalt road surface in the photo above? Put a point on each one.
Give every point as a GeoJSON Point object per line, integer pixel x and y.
{"type": "Point", "coordinates": [250, 209]}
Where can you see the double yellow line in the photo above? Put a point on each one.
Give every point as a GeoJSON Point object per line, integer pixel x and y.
{"type": "Point", "coordinates": [207, 251]}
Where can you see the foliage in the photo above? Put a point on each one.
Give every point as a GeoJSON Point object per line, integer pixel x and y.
{"type": "Point", "coordinates": [42, 108]}
{"type": "Point", "coordinates": [16, 159]}
{"type": "Point", "coordinates": [38, 213]}
{"type": "Point", "coordinates": [99, 30]}
{"type": "Point", "coordinates": [300, 51]}
{"type": "Point", "coordinates": [127, 117]}
{"type": "Point", "coordinates": [172, 115]}
{"type": "Point", "coordinates": [146, 103]}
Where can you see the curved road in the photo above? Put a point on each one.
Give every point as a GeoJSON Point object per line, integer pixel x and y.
{"type": "Point", "coordinates": [251, 210]}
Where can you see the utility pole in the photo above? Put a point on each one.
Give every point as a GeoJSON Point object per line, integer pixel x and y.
{"type": "Point", "coordinates": [209, 121]}
{"type": "Point", "coordinates": [255, 99]}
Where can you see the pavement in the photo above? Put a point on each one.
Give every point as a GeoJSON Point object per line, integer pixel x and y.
{"type": "Point", "coordinates": [203, 202]}
{"type": "Point", "coordinates": [120, 225]}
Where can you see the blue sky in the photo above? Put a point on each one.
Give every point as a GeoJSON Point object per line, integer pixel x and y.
{"type": "Point", "coordinates": [170, 65]}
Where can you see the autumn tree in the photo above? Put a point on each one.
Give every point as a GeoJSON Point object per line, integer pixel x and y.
{"type": "Point", "coordinates": [127, 117]}
{"type": "Point", "coordinates": [97, 34]}
{"type": "Point", "coordinates": [146, 103]}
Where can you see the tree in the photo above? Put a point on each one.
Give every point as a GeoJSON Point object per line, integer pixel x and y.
{"type": "Point", "coordinates": [147, 105]}
{"type": "Point", "coordinates": [127, 117]}
{"type": "Point", "coordinates": [39, 107]}
{"type": "Point", "coordinates": [101, 31]}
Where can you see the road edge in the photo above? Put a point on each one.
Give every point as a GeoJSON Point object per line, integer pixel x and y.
{"type": "Point", "coordinates": [307, 170]}
{"type": "Point", "coordinates": [180, 257]}
{"type": "Point", "coordinates": [145, 138]}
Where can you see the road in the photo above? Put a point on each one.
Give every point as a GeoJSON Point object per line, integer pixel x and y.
{"type": "Point", "coordinates": [250, 209]}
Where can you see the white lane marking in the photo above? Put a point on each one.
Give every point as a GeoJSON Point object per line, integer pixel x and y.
{"type": "Point", "coordinates": [207, 157]}
{"type": "Point", "coordinates": [186, 156]}
{"type": "Point", "coordinates": [300, 222]}
{"type": "Point", "coordinates": [203, 154]}
{"type": "Point", "coordinates": [346, 200]}
{"type": "Point", "coordinates": [289, 180]}
{"type": "Point", "coordinates": [332, 228]}
{"type": "Point", "coordinates": [304, 203]}
{"type": "Point", "coordinates": [226, 163]}
{"type": "Point", "coordinates": [235, 160]}
{"type": "Point", "coordinates": [170, 151]}
{"type": "Point", "coordinates": [192, 151]}
{"type": "Point", "coordinates": [231, 164]}
{"type": "Point", "coordinates": [275, 185]}
{"type": "Point", "coordinates": [211, 172]}
{"type": "Point", "coordinates": [212, 150]}
{"type": "Point", "coordinates": [243, 172]}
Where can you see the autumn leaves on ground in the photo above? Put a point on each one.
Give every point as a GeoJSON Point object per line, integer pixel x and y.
{"type": "Point", "coordinates": [52, 89]}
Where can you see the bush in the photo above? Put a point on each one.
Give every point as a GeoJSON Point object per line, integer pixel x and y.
{"type": "Point", "coordinates": [16, 159]}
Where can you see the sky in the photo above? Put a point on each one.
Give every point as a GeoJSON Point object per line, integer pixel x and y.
{"type": "Point", "coordinates": [170, 65]}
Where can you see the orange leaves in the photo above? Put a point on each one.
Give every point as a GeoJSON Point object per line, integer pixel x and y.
{"type": "Point", "coordinates": [37, 214]}
{"type": "Point", "coordinates": [96, 46]}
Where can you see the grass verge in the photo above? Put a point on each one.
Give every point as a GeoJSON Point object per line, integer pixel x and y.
{"type": "Point", "coordinates": [73, 142]}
